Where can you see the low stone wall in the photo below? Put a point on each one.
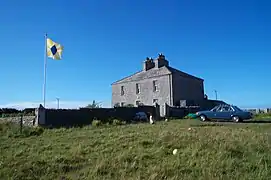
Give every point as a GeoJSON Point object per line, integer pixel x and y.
{"type": "Point", "coordinates": [27, 120]}
{"type": "Point", "coordinates": [85, 116]}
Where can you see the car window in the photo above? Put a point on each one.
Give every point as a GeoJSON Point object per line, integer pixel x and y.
{"type": "Point", "coordinates": [215, 109]}
{"type": "Point", "coordinates": [225, 108]}
{"type": "Point", "coordinates": [220, 108]}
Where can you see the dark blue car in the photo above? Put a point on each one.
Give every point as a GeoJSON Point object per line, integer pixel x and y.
{"type": "Point", "coordinates": [224, 112]}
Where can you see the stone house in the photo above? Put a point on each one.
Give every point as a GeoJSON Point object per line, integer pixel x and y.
{"type": "Point", "coordinates": [158, 83]}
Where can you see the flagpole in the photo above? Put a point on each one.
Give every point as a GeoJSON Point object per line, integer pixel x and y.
{"type": "Point", "coordinates": [45, 68]}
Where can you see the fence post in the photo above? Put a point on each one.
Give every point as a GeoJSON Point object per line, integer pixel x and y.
{"type": "Point", "coordinates": [21, 123]}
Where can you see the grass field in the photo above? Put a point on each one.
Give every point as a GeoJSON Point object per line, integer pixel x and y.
{"type": "Point", "coordinates": [143, 151]}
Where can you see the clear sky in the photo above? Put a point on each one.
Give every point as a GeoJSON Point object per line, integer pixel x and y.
{"type": "Point", "coordinates": [226, 42]}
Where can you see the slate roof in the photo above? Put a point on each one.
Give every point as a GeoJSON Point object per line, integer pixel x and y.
{"type": "Point", "coordinates": [173, 70]}
{"type": "Point", "coordinates": [154, 72]}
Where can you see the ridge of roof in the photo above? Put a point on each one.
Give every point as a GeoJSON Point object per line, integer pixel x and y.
{"type": "Point", "coordinates": [170, 69]}
{"type": "Point", "coordinates": [154, 72]}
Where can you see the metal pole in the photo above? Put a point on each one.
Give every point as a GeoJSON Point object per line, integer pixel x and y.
{"type": "Point", "coordinates": [57, 99]}
{"type": "Point", "coordinates": [45, 68]}
{"type": "Point", "coordinates": [215, 94]}
{"type": "Point", "coordinates": [21, 123]}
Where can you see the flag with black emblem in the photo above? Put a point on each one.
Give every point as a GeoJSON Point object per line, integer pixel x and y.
{"type": "Point", "coordinates": [54, 50]}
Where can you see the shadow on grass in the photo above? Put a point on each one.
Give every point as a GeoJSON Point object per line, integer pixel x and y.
{"type": "Point", "coordinates": [99, 124]}
{"type": "Point", "coordinates": [221, 123]}
{"type": "Point", "coordinates": [206, 125]}
{"type": "Point", "coordinates": [258, 121]}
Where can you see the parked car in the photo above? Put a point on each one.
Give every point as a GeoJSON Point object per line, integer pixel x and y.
{"type": "Point", "coordinates": [141, 116]}
{"type": "Point", "coordinates": [225, 112]}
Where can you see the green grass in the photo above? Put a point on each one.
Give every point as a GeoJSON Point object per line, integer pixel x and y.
{"type": "Point", "coordinates": [261, 116]}
{"type": "Point", "coordinates": [142, 151]}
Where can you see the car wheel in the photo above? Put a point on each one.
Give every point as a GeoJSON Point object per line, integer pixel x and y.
{"type": "Point", "coordinates": [236, 119]}
{"type": "Point", "coordinates": [203, 118]}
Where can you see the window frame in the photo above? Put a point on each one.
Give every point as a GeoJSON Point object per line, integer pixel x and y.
{"type": "Point", "coordinates": [155, 101]}
{"type": "Point", "coordinates": [122, 90]}
{"type": "Point", "coordinates": [154, 85]}
{"type": "Point", "coordinates": [138, 90]}
{"type": "Point", "coordinates": [137, 103]}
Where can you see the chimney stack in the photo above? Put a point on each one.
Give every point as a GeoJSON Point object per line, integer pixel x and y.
{"type": "Point", "coordinates": [161, 61]}
{"type": "Point", "coordinates": [148, 64]}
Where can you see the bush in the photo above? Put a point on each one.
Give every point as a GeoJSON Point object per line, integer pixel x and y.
{"type": "Point", "coordinates": [29, 111]}
{"type": "Point", "coordinates": [262, 116]}
{"type": "Point", "coordinates": [9, 111]}
{"type": "Point", "coordinates": [96, 123]}
{"type": "Point", "coordinates": [117, 122]}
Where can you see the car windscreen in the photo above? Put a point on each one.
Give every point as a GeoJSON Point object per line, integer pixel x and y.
{"type": "Point", "coordinates": [237, 108]}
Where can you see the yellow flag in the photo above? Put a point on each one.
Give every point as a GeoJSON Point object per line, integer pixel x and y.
{"type": "Point", "coordinates": [54, 50]}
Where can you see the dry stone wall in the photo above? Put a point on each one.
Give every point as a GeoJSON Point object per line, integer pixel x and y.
{"type": "Point", "coordinates": [27, 120]}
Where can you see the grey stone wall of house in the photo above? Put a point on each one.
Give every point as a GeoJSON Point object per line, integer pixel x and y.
{"type": "Point", "coordinates": [186, 88]}
{"type": "Point", "coordinates": [146, 94]}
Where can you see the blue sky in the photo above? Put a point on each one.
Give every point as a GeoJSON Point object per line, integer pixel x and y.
{"type": "Point", "coordinates": [227, 42]}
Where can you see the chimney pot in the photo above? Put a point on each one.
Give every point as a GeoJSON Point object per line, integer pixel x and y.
{"type": "Point", "coordinates": [148, 64]}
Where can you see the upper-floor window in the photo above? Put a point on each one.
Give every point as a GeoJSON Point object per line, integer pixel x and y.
{"type": "Point", "coordinates": [155, 85]}
{"type": "Point", "coordinates": [155, 101]}
{"type": "Point", "coordinates": [122, 90]}
{"type": "Point", "coordinates": [137, 88]}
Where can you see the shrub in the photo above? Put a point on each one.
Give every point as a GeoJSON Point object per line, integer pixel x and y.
{"type": "Point", "coordinates": [117, 122]}
{"type": "Point", "coordinates": [262, 116]}
{"type": "Point", "coordinates": [110, 120]}
{"type": "Point", "coordinates": [28, 111]}
{"type": "Point", "coordinates": [9, 111]}
{"type": "Point", "coordinates": [96, 123]}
